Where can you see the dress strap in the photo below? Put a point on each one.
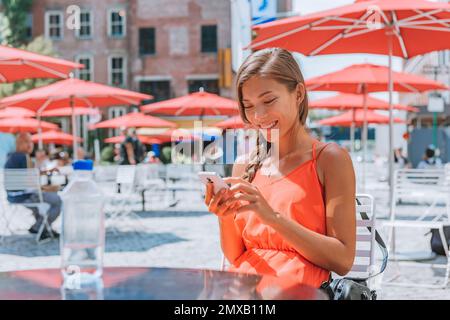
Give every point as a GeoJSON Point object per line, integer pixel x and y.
{"type": "Point", "coordinates": [314, 151]}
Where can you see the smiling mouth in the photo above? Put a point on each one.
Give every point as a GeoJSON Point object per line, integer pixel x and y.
{"type": "Point", "coordinates": [269, 125]}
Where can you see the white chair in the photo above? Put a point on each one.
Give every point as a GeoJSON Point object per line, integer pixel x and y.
{"type": "Point", "coordinates": [148, 179]}
{"type": "Point", "coordinates": [364, 265]}
{"type": "Point", "coordinates": [27, 179]}
{"type": "Point", "coordinates": [425, 186]}
{"type": "Point", "coordinates": [121, 202]}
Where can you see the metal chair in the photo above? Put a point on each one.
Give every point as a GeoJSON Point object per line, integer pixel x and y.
{"type": "Point", "coordinates": [426, 186]}
{"type": "Point", "coordinates": [27, 179]}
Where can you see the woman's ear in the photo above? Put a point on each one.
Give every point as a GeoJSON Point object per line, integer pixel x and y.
{"type": "Point", "coordinates": [301, 92]}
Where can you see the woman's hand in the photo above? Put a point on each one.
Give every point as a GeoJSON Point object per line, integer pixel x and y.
{"type": "Point", "coordinates": [243, 190]}
{"type": "Point", "coordinates": [221, 204]}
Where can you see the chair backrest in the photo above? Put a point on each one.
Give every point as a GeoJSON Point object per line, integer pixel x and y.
{"type": "Point", "coordinates": [365, 238]}
{"type": "Point", "coordinates": [126, 174]}
{"type": "Point", "coordinates": [419, 181]}
{"type": "Point", "coordinates": [22, 179]}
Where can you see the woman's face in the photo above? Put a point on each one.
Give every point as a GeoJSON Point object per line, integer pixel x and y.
{"type": "Point", "coordinates": [270, 107]}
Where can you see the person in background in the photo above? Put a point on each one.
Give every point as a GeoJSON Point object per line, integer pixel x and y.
{"type": "Point", "coordinates": [7, 145]}
{"type": "Point", "coordinates": [20, 159]}
{"type": "Point", "coordinates": [127, 149]}
{"type": "Point", "coordinates": [42, 161]}
{"type": "Point", "coordinates": [400, 160]}
{"type": "Point", "coordinates": [151, 158]}
{"type": "Point", "coordinates": [430, 160]}
{"type": "Point", "coordinates": [81, 154]}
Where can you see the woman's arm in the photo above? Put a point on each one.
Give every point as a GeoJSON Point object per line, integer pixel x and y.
{"type": "Point", "coordinates": [230, 238]}
{"type": "Point", "coordinates": [334, 251]}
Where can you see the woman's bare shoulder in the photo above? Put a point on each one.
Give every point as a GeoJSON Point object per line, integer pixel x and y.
{"type": "Point", "coordinates": [332, 156]}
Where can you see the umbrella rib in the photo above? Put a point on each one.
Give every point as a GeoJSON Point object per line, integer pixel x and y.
{"type": "Point", "coordinates": [398, 34]}
{"type": "Point", "coordinates": [124, 99]}
{"type": "Point", "coordinates": [357, 33]}
{"type": "Point", "coordinates": [2, 78]}
{"type": "Point", "coordinates": [409, 87]}
{"type": "Point", "coordinates": [45, 105]}
{"type": "Point", "coordinates": [425, 22]}
{"type": "Point", "coordinates": [421, 15]}
{"type": "Point", "coordinates": [90, 105]}
{"type": "Point", "coordinates": [46, 69]}
{"type": "Point", "coordinates": [431, 17]}
{"type": "Point", "coordinates": [288, 33]}
{"type": "Point", "coordinates": [338, 36]}
{"type": "Point", "coordinates": [427, 28]}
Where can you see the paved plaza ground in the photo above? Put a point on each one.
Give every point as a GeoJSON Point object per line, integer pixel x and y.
{"type": "Point", "coordinates": [186, 236]}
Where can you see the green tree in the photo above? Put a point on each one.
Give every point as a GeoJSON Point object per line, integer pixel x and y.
{"type": "Point", "coordinates": [15, 15]}
{"type": "Point", "coordinates": [39, 45]}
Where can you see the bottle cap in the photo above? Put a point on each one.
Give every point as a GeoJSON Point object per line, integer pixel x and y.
{"type": "Point", "coordinates": [87, 165]}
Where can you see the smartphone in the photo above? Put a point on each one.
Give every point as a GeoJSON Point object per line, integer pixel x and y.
{"type": "Point", "coordinates": [218, 182]}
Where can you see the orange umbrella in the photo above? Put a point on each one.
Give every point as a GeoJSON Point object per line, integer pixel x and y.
{"type": "Point", "coordinates": [70, 93]}
{"type": "Point", "coordinates": [143, 139]}
{"type": "Point", "coordinates": [13, 112]}
{"type": "Point", "coordinates": [357, 118]}
{"type": "Point", "coordinates": [14, 125]}
{"type": "Point", "coordinates": [56, 137]}
{"type": "Point", "coordinates": [135, 120]}
{"type": "Point", "coordinates": [195, 104]}
{"type": "Point", "coordinates": [413, 27]}
{"type": "Point", "coordinates": [367, 77]}
{"type": "Point", "coordinates": [17, 64]}
{"type": "Point", "coordinates": [346, 101]}
{"type": "Point", "coordinates": [67, 112]}
{"type": "Point", "coordinates": [231, 123]}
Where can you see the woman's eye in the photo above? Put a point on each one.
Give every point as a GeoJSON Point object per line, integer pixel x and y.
{"type": "Point", "coordinates": [248, 106]}
{"type": "Point", "coordinates": [270, 101]}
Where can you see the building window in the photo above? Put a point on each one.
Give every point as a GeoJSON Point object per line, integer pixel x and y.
{"type": "Point", "coordinates": [54, 25]}
{"type": "Point", "coordinates": [209, 85]}
{"type": "Point", "coordinates": [160, 90]}
{"type": "Point", "coordinates": [147, 41]}
{"type": "Point", "coordinates": [209, 38]}
{"type": "Point", "coordinates": [117, 23]}
{"type": "Point", "coordinates": [29, 26]}
{"type": "Point", "coordinates": [87, 72]}
{"type": "Point", "coordinates": [117, 71]}
{"type": "Point", "coordinates": [85, 30]}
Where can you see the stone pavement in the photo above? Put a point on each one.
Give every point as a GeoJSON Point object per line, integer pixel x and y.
{"type": "Point", "coordinates": [186, 236]}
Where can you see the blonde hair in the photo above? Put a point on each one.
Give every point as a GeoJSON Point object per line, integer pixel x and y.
{"type": "Point", "coordinates": [277, 64]}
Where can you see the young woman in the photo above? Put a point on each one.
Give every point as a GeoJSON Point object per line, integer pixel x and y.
{"type": "Point", "coordinates": [289, 212]}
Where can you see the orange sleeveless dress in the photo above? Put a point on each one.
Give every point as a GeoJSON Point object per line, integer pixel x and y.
{"type": "Point", "coordinates": [297, 196]}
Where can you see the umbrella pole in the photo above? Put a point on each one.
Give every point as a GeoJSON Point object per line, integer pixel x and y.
{"type": "Point", "coordinates": [40, 144]}
{"type": "Point", "coordinates": [352, 134]}
{"type": "Point", "coordinates": [74, 131]}
{"type": "Point", "coordinates": [391, 127]}
{"type": "Point", "coordinates": [365, 139]}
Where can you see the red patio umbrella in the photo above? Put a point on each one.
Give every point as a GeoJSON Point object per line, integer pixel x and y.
{"type": "Point", "coordinates": [231, 123]}
{"type": "Point", "coordinates": [67, 112]}
{"type": "Point", "coordinates": [143, 139]}
{"type": "Point", "coordinates": [13, 112]}
{"type": "Point", "coordinates": [56, 137]}
{"type": "Point", "coordinates": [135, 120]}
{"type": "Point", "coordinates": [17, 64]}
{"type": "Point", "coordinates": [15, 125]}
{"type": "Point", "coordinates": [349, 101]}
{"type": "Point", "coordinates": [367, 77]}
{"type": "Point", "coordinates": [357, 118]}
{"type": "Point", "coordinates": [70, 93]}
{"type": "Point", "coordinates": [403, 28]}
{"type": "Point", "coordinates": [195, 104]}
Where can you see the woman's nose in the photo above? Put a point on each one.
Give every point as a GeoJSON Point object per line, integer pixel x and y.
{"type": "Point", "coordinates": [260, 112]}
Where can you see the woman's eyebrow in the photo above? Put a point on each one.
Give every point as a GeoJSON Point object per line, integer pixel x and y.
{"type": "Point", "coordinates": [262, 94]}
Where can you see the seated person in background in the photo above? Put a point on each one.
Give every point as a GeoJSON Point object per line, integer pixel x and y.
{"type": "Point", "coordinates": [151, 158]}
{"type": "Point", "coordinates": [400, 160]}
{"type": "Point", "coordinates": [429, 160]}
{"type": "Point", "coordinates": [21, 160]}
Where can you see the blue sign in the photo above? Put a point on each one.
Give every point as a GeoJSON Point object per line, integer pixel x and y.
{"type": "Point", "coordinates": [263, 11]}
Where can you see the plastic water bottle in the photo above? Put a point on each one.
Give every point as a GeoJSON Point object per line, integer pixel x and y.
{"type": "Point", "coordinates": [83, 230]}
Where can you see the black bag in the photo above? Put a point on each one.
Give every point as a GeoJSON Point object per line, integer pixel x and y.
{"type": "Point", "coordinates": [355, 288]}
{"type": "Point", "coordinates": [436, 242]}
